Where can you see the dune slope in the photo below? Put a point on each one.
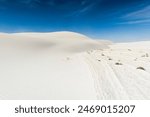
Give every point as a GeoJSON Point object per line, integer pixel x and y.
{"type": "Point", "coordinates": [41, 66]}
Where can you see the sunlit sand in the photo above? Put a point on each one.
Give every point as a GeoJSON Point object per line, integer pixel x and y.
{"type": "Point", "coordinates": [67, 65]}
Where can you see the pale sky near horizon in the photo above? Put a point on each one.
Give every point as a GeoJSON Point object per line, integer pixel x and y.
{"type": "Point", "coordinates": [117, 20]}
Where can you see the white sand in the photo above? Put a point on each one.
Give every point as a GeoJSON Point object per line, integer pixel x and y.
{"type": "Point", "coordinates": [66, 65]}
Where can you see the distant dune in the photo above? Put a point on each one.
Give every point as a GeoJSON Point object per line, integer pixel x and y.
{"type": "Point", "coordinates": [57, 41]}
{"type": "Point", "coordinates": [68, 65]}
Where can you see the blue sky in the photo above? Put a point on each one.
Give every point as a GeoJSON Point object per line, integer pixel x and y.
{"type": "Point", "coordinates": [117, 20]}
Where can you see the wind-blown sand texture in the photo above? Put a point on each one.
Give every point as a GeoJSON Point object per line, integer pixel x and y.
{"type": "Point", "coordinates": [67, 65]}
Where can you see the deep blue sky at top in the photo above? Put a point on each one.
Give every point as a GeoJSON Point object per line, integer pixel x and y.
{"type": "Point", "coordinates": [119, 20]}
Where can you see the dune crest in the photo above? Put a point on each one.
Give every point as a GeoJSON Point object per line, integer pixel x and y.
{"type": "Point", "coordinates": [68, 42]}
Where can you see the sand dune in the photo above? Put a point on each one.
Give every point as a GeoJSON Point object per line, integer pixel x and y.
{"type": "Point", "coordinates": [57, 41]}
{"type": "Point", "coordinates": [67, 65]}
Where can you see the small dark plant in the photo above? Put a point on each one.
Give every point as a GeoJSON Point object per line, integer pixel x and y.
{"type": "Point", "coordinates": [118, 63]}
{"type": "Point", "coordinates": [110, 59]}
{"type": "Point", "coordinates": [102, 54]}
{"type": "Point", "coordinates": [99, 60]}
{"type": "Point", "coordinates": [141, 68]}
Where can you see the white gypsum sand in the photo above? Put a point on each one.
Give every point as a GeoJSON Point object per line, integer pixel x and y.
{"type": "Point", "coordinates": [67, 65]}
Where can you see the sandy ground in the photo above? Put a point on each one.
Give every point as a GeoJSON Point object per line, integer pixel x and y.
{"type": "Point", "coordinates": [66, 65]}
{"type": "Point", "coordinates": [122, 71]}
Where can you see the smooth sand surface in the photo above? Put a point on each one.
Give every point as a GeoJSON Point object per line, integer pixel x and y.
{"type": "Point", "coordinates": [67, 65]}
